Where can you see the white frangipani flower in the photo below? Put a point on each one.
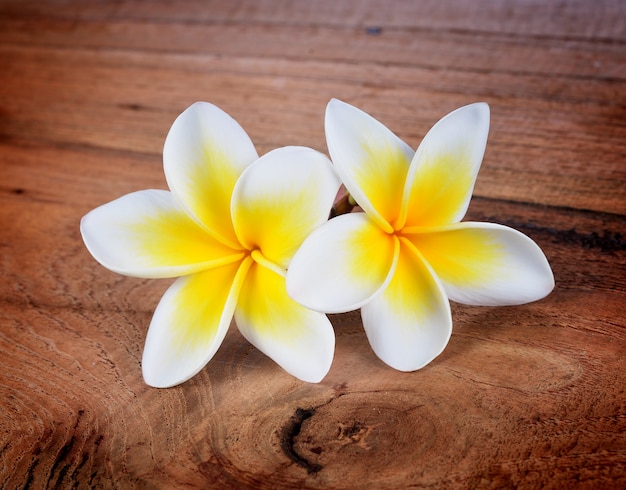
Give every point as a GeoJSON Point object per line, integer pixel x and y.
{"type": "Point", "coordinates": [408, 253]}
{"type": "Point", "coordinates": [229, 227]}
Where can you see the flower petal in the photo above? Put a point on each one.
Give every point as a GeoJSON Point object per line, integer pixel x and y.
{"type": "Point", "coordinates": [281, 198]}
{"type": "Point", "coordinates": [410, 323]}
{"type": "Point", "coordinates": [299, 340]}
{"type": "Point", "coordinates": [204, 154]}
{"type": "Point", "coordinates": [148, 234]}
{"type": "Point", "coordinates": [486, 264]}
{"type": "Point", "coordinates": [190, 323]}
{"type": "Point", "coordinates": [342, 264]}
{"type": "Point", "coordinates": [442, 175]}
{"type": "Point", "coordinates": [371, 161]}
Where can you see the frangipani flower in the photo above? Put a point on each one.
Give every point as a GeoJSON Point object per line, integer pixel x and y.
{"type": "Point", "coordinates": [229, 227]}
{"type": "Point", "coordinates": [408, 253]}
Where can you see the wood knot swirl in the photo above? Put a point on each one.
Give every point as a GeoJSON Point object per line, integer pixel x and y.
{"type": "Point", "coordinates": [371, 428]}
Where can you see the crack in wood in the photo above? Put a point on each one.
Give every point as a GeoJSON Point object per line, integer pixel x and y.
{"type": "Point", "coordinates": [608, 241]}
{"type": "Point", "coordinates": [290, 432]}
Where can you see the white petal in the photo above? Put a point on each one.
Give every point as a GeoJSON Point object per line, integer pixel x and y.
{"type": "Point", "coordinates": [342, 264]}
{"type": "Point", "coordinates": [190, 323]}
{"type": "Point", "coordinates": [442, 175]}
{"type": "Point", "coordinates": [371, 161]}
{"type": "Point", "coordinates": [204, 154]}
{"type": "Point", "coordinates": [148, 234]}
{"type": "Point", "coordinates": [299, 340]}
{"type": "Point", "coordinates": [409, 324]}
{"type": "Point", "coordinates": [281, 198]}
{"type": "Point", "coordinates": [486, 264]}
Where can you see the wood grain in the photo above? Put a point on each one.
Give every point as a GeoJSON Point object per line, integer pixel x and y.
{"type": "Point", "coordinates": [530, 396]}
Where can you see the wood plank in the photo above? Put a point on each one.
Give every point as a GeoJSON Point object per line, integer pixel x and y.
{"type": "Point", "coordinates": [527, 396]}
{"type": "Point", "coordinates": [436, 49]}
{"type": "Point", "coordinates": [534, 383]}
{"type": "Point", "coordinates": [573, 19]}
{"type": "Point", "coordinates": [525, 145]}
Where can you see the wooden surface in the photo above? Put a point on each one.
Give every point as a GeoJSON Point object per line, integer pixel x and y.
{"type": "Point", "coordinates": [529, 396]}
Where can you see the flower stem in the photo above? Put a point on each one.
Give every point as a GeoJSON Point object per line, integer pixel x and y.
{"type": "Point", "coordinates": [344, 203]}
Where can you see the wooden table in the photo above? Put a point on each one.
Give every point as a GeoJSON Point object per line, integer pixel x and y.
{"type": "Point", "coordinates": [528, 396]}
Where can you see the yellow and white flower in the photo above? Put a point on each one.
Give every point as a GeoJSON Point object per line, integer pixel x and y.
{"type": "Point", "coordinates": [229, 227]}
{"type": "Point", "coordinates": [408, 253]}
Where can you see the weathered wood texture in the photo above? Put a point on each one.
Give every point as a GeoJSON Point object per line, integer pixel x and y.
{"type": "Point", "coordinates": [529, 396]}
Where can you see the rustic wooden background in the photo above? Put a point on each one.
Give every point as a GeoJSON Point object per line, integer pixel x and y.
{"type": "Point", "coordinates": [529, 396]}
